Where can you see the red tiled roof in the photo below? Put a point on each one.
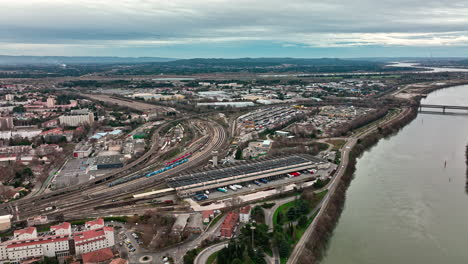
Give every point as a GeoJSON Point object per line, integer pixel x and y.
{"type": "Point", "coordinates": [97, 256]}
{"type": "Point", "coordinates": [28, 230]}
{"type": "Point", "coordinates": [245, 209]}
{"type": "Point", "coordinates": [57, 130]}
{"type": "Point", "coordinates": [90, 241]}
{"type": "Point", "coordinates": [90, 234]}
{"type": "Point", "coordinates": [207, 213]}
{"type": "Point", "coordinates": [64, 225]}
{"type": "Point", "coordinates": [119, 261]}
{"type": "Point", "coordinates": [98, 221]}
{"type": "Point", "coordinates": [42, 240]}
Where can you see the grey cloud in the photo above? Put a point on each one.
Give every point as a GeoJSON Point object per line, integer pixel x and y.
{"type": "Point", "coordinates": [176, 21]}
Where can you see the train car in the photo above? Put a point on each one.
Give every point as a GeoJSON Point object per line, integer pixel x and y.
{"type": "Point", "coordinates": [179, 158]}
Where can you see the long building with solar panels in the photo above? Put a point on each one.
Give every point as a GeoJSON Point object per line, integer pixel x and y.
{"type": "Point", "coordinates": [247, 171]}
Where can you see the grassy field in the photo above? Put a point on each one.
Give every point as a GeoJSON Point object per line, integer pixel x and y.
{"type": "Point", "coordinates": [337, 143]}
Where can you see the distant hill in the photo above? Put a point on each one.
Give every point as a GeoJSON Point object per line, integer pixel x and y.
{"type": "Point", "coordinates": [257, 65]}
{"type": "Point", "coordinates": [50, 60]}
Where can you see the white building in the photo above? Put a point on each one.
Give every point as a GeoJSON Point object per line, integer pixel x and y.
{"type": "Point", "coordinates": [92, 240]}
{"type": "Point", "coordinates": [23, 133]}
{"type": "Point", "coordinates": [244, 214]}
{"type": "Point", "coordinates": [96, 224]}
{"type": "Point", "coordinates": [78, 119]}
{"type": "Point", "coordinates": [26, 243]}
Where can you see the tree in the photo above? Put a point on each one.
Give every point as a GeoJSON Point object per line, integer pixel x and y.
{"type": "Point", "coordinates": [190, 256]}
{"type": "Point", "coordinates": [284, 248]}
{"type": "Point", "coordinates": [238, 154]}
{"type": "Point", "coordinates": [19, 109]}
{"type": "Point", "coordinates": [291, 214]}
{"type": "Point", "coordinates": [302, 221]}
{"type": "Point", "coordinates": [280, 218]}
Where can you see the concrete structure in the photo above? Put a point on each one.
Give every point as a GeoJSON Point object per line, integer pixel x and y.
{"type": "Point", "coordinates": [77, 118]}
{"type": "Point", "coordinates": [62, 229]}
{"type": "Point", "coordinates": [5, 222]}
{"type": "Point", "coordinates": [109, 162]}
{"type": "Point", "coordinates": [244, 214]}
{"type": "Point", "coordinates": [28, 245]}
{"type": "Point", "coordinates": [38, 220]}
{"type": "Point", "coordinates": [98, 256]}
{"type": "Point", "coordinates": [194, 224]}
{"type": "Point", "coordinates": [180, 223]}
{"type": "Point", "coordinates": [22, 133]}
{"type": "Point", "coordinates": [6, 123]}
{"type": "Point", "coordinates": [207, 215]}
{"type": "Point", "coordinates": [95, 224]}
{"type": "Point", "coordinates": [50, 102]}
{"type": "Point", "coordinates": [230, 104]}
{"type": "Point", "coordinates": [247, 171]}
{"type": "Point", "coordinates": [92, 240]}
{"type": "Point", "coordinates": [82, 151]}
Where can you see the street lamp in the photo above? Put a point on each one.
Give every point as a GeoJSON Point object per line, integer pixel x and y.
{"type": "Point", "coordinates": [252, 227]}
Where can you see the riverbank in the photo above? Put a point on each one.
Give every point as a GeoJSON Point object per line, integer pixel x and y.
{"type": "Point", "coordinates": [316, 246]}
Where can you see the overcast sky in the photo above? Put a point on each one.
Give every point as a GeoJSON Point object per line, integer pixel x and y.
{"type": "Point", "coordinates": [234, 28]}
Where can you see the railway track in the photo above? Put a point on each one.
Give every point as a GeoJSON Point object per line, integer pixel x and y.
{"type": "Point", "coordinates": [82, 202]}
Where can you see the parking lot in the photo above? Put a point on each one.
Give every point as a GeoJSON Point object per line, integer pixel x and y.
{"type": "Point", "coordinates": [269, 183]}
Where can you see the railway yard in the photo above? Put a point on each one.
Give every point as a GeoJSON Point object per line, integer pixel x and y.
{"type": "Point", "coordinates": [190, 168]}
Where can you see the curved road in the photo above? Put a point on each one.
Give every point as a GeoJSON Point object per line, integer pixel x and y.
{"type": "Point", "coordinates": [203, 256]}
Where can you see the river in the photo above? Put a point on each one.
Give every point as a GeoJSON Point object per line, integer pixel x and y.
{"type": "Point", "coordinates": [403, 206]}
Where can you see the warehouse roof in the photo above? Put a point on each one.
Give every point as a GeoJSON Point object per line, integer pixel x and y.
{"type": "Point", "coordinates": [242, 169]}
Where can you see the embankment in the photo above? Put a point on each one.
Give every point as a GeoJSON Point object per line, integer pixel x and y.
{"type": "Point", "coordinates": [316, 247]}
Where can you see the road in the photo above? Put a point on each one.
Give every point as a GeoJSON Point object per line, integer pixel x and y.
{"type": "Point", "coordinates": [347, 147]}
{"type": "Point", "coordinates": [177, 252]}
{"type": "Point", "coordinates": [203, 256]}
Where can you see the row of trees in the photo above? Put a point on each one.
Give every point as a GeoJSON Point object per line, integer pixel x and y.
{"type": "Point", "coordinates": [317, 245]}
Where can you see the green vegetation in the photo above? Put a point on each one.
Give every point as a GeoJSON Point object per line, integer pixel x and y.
{"type": "Point", "coordinates": [337, 143]}
{"type": "Point", "coordinates": [240, 250]}
{"type": "Point", "coordinates": [190, 256]}
{"type": "Point", "coordinates": [121, 219]}
{"type": "Point", "coordinates": [287, 233]}
{"type": "Point", "coordinates": [212, 258]}
{"type": "Point", "coordinates": [268, 205]}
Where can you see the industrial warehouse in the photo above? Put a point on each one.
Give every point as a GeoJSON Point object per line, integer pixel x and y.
{"type": "Point", "coordinates": [186, 185]}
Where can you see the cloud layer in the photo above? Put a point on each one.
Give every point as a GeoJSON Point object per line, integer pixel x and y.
{"type": "Point", "coordinates": [78, 27]}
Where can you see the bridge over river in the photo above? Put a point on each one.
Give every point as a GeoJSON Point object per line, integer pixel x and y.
{"type": "Point", "coordinates": [443, 107]}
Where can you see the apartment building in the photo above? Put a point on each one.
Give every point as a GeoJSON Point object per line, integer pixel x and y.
{"type": "Point", "coordinates": [60, 242]}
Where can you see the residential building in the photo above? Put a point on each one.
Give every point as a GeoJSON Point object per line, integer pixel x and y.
{"type": "Point", "coordinates": [50, 102]}
{"type": "Point", "coordinates": [98, 256]}
{"type": "Point", "coordinates": [229, 224]}
{"type": "Point", "coordinates": [244, 214]}
{"type": "Point", "coordinates": [62, 229]}
{"type": "Point", "coordinates": [75, 119]}
{"type": "Point", "coordinates": [27, 244]}
{"type": "Point", "coordinates": [6, 123]}
{"type": "Point", "coordinates": [95, 224]}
